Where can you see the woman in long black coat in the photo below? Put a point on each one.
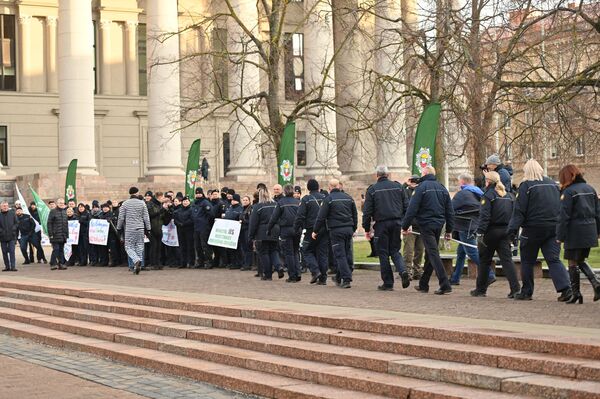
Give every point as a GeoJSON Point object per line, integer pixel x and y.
{"type": "Point", "coordinates": [267, 244]}
{"type": "Point", "coordinates": [578, 227]}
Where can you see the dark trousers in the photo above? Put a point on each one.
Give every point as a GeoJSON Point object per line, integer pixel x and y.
{"type": "Point", "coordinates": [83, 246]}
{"type": "Point", "coordinates": [316, 254]}
{"type": "Point", "coordinates": [532, 240]}
{"type": "Point", "coordinates": [269, 256]}
{"type": "Point", "coordinates": [290, 242]}
{"type": "Point", "coordinates": [388, 242]}
{"type": "Point", "coordinates": [24, 242]}
{"type": "Point", "coordinates": [172, 256]}
{"type": "Point", "coordinates": [496, 240]}
{"type": "Point", "coordinates": [74, 256]}
{"type": "Point", "coordinates": [154, 250]}
{"type": "Point", "coordinates": [58, 253]}
{"type": "Point", "coordinates": [431, 240]}
{"type": "Point", "coordinates": [246, 248]}
{"type": "Point", "coordinates": [8, 254]}
{"type": "Point", "coordinates": [203, 251]}
{"type": "Point", "coordinates": [341, 246]}
{"type": "Point", "coordinates": [93, 253]}
{"type": "Point", "coordinates": [186, 243]}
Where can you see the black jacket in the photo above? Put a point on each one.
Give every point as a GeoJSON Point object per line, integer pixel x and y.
{"type": "Point", "coordinates": [579, 221]}
{"type": "Point", "coordinates": [408, 193]}
{"type": "Point", "coordinates": [234, 212]}
{"type": "Point", "coordinates": [202, 214]}
{"type": "Point", "coordinates": [183, 217]}
{"type": "Point", "coordinates": [246, 217]}
{"type": "Point", "coordinates": [84, 222]}
{"type": "Point", "coordinates": [58, 226]}
{"type": "Point", "coordinates": [26, 224]}
{"type": "Point", "coordinates": [8, 225]}
{"type": "Point", "coordinates": [496, 211]}
{"type": "Point", "coordinates": [537, 205]}
{"type": "Point", "coordinates": [338, 211]}
{"type": "Point", "coordinates": [284, 215]}
{"type": "Point", "coordinates": [259, 220]}
{"type": "Point", "coordinates": [430, 206]}
{"type": "Point", "coordinates": [308, 211]}
{"type": "Point", "coordinates": [154, 212]}
{"type": "Point", "coordinates": [384, 200]}
{"type": "Point", "coordinates": [466, 210]}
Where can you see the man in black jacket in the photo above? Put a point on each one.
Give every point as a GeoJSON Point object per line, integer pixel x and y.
{"type": "Point", "coordinates": [386, 204]}
{"type": "Point", "coordinates": [26, 227]}
{"type": "Point", "coordinates": [58, 232]}
{"type": "Point", "coordinates": [430, 206]}
{"type": "Point", "coordinates": [285, 216]}
{"type": "Point", "coordinates": [8, 236]}
{"type": "Point", "coordinates": [154, 211]}
{"type": "Point", "coordinates": [202, 214]}
{"type": "Point", "coordinates": [339, 214]}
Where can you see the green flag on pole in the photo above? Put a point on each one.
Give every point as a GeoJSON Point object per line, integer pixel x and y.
{"type": "Point", "coordinates": [42, 209]}
{"type": "Point", "coordinates": [191, 174]}
{"type": "Point", "coordinates": [427, 129]}
{"type": "Point", "coordinates": [287, 154]}
{"type": "Point", "coordinates": [71, 182]}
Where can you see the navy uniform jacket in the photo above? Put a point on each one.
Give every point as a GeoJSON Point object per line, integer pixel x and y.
{"type": "Point", "coordinates": [338, 211]}
{"type": "Point", "coordinates": [202, 214]}
{"type": "Point", "coordinates": [496, 211]}
{"type": "Point", "coordinates": [579, 221]}
{"type": "Point", "coordinates": [234, 212]}
{"type": "Point", "coordinates": [430, 206]}
{"type": "Point", "coordinates": [384, 200]}
{"type": "Point", "coordinates": [308, 211]}
{"type": "Point", "coordinates": [466, 208]}
{"type": "Point", "coordinates": [259, 220]}
{"type": "Point", "coordinates": [537, 205]}
{"type": "Point", "coordinates": [284, 214]}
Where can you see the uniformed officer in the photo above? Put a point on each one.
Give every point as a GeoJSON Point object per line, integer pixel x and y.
{"type": "Point", "coordinates": [578, 227]}
{"type": "Point", "coordinates": [202, 215]}
{"type": "Point", "coordinates": [315, 252]}
{"type": "Point", "coordinates": [267, 248]}
{"type": "Point", "coordinates": [536, 211]}
{"type": "Point", "coordinates": [338, 213]}
{"type": "Point", "coordinates": [430, 206]}
{"type": "Point", "coordinates": [285, 215]}
{"type": "Point", "coordinates": [492, 235]}
{"type": "Point", "coordinates": [386, 204]}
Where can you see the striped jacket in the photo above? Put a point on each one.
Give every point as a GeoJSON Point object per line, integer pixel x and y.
{"type": "Point", "coordinates": [133, 215]}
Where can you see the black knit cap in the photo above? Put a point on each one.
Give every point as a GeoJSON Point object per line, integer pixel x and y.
{"type": "Point", "coordinates": [133, 190]}
{"type": "Point", "coordinates": [312, 185]}
{"type": "Point", "coordinates": [298, 189]}
{"type": "Point", "coordinates": [148, 194]}
{"type": "Point", "coordinates": [231, 191]}
{"type": "Point", "coordinates": [199, 190]}
{"type": "Point", "coordinates": [236, 197]}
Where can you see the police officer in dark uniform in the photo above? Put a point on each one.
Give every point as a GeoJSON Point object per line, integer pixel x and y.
{"type": "Point", "coordinates": [315, 252]}
{"type": "Point", "coordinates": [386, 204]}
{"type": "Point", "coordinates": [578, 227]}
{"type": "Point", "coordinates": [202, 215]}
{"type": "Point", "coordinates": [492, 235]}
{"type": "Point", "coordinates": [268, 243]}
{"type": "Point", "coordinates": [338, 213]}
{"type": "Point", "coordinates": [430, 205]}
{"type": "Point", "coordinates": [536, 211]}
{"type": "Point", "coordinates": [285, 215]}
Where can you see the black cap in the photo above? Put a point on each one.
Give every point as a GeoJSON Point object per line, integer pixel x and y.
{"type": "Point", "coordinates": [105, 205]}
{"type": "Point", "coordinates": [179, 195]}
{"type": "Point", "coordinates": [109, 202]}
{"type": "Point", "coordinates": [312, 185]}
{"type": "Point", "coordinates": [298, 189]}
{"type": "Point", "coordinates": [185, 198]}
{"type": "Point", "coordinates": [32, 203]}
{"type": "Point", "coordinates": [224, 190]}
{"type": "Point", "coordinates": [133, 190]}
{"type": "Point", "coordinates": [231, 191]}
{"type": "Point", "coordinates": [199, 190]}
{"type": "Point", "coordinates": [236, 197]}
{"type": "Point", "coordinates": [148, 194]}
{"type": "Point", "coordinates": [95, 203]}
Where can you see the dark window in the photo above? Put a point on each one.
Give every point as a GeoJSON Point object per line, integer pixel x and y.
{"type": "Point", "coordinates": [8, 69]}
{"type": "Point", "coordinates": [226, 152]}
{"type": "Point", "coordinates": [219, 48]}
{"type": "Point", "coordinates": [3, 145]}
{"type": "Point", "coordinates": [301, 148]}
{"type": "Point", "coordinates": [141, 48]}
{"type": "Point", "coordinates": [294, 66]}
{"type": "Point", "coordinates": [579, 147]}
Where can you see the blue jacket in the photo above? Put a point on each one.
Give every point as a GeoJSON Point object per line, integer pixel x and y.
{"type": "Point", "coordinates": [202, 214]}
{"type": "Point", "coordinates": [537, 205]}
{"type": "Point", "coordinates": [284, 214]}
{"type": "Point", "coordinates": [430, 206]}
{"type": "Point", "coordinates": [579, 221]}
{"type": "Point", "coordinates": [496, 211]}
{"type": "Point", "coordinates": [505, 177]}
{"type": "Point", "coordinates": [308, 211]}
{"type": "Point", "coordinates": [234, 212]}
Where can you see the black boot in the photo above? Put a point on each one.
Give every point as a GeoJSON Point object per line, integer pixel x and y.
{"type": "Point", "coordinates": [589, 273]}
{"type": "Point", "coordinates": [574, 275]}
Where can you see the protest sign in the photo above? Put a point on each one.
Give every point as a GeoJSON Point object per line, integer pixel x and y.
{"type": "Point", "coordinates": [98, 231]}
{"type": "Point", "coordinates": [74, 227]}
{"type": "Point", "coordinates": [169, 235]}
{"type": "Point", "coordinates": [225, 233]}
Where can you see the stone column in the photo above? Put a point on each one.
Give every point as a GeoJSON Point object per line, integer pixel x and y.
{"type": "Point", "coordinates": [164, 137]}
{"type": "Point", "coordinates": [105, 58]}
{"type": "Point", "coordinates": [390, 130]}
{"type": "Point", "coordinates": [51, 75]}
{"type": "Point", "coordinates": [76, 86]}
{"type": "Point", "coordinates": [244, 80]}
{"type": "Point", "coordinates": [131, 60]}
{"type": "Point", "coordinates": [25, 48]}
{"type": "Point", "coordinates": [319, 71]}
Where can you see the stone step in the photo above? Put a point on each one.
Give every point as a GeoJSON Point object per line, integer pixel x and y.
{"type": "Point", "coordinates": [375, 350]}
{"type": "Point", "coordinates": [314, 323]}
{"type": "Point", "coordinates": [350, 378]}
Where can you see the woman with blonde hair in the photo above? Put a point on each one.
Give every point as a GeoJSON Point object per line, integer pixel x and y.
{"type": "Point", "coordinates": [492, 235]}
{"type": "Point", "coordinates": [536, 212]}
{"type": "Point", "coordinates": [578, 227]}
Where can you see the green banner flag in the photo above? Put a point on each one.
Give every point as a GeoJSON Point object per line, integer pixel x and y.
{"type": "Point", "coordinates": [286, 155]}
{"type": "Point", "coordinates": [42, 209]}
{"type": "Point", "coordinates": [427, 129]}
{"type": "Point", "coordinates": [71, 182]}
{"type": "Point", "coordinates": [191, 174]}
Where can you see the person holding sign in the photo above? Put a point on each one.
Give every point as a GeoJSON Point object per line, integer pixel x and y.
{"type": "Point", "coordinates": [134, 218]}
{"type": "Point", "coordinates": [234, 212]}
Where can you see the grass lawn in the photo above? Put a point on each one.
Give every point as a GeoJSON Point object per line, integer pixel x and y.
{"type": "Point", "coordinates": [362, 249]}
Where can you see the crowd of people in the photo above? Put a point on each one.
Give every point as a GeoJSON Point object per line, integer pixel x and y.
{"type": "Point", "coordinates": [283, 231]}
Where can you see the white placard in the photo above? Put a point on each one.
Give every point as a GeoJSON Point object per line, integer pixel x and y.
{"type": "Point", "coordinates": [74, 227]}
{"type": "Point", "coordinates": [169, 235]}
{"type": "Point", "coordinates": [225, 233]}
{"type": "Point", "coordinates": [99, 231]}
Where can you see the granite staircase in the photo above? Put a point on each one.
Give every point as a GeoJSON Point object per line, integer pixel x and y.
{"type": "Point", "coordinates": [286, 353]}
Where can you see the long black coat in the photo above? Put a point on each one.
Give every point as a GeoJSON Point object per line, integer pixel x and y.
{"type": "Point", "coordinates": [579, 220]}
{"type": "Point", "coordinates": [58, 226]}
{"type": "Point", "coordinates": [259, 220]}
{"type": "Point", "coordinates": [8, 225]}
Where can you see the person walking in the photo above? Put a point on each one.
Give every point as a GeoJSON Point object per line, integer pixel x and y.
{"type": "Point", "coordinates": [58, 232]}
{"type": "Point", "coordinates": [386, 204]}
{"type": "Point", "coordinates": [8, 236]}
{"type": "Point", "coordinates": [578, 228]}
{"type": "Point", "coordinates": [340, 216]}
{"type": "Point", "coordinates": [413, 243]}
{"type": "Point", "coordinates": [492, 235]}
{"type": "Point", "coordinates": [134, 219]}
{"type": "Point", "coordinates": [284, 215]}
{"type": "Point", "coordinates": [267, 244]}
{"type": "Point", "coordinates": [536, 211]}
{"type": "Point", "coordinates": [431, 207]}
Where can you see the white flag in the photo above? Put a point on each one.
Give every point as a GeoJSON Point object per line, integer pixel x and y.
{"type": "Point", "coordinates": [38, 227]}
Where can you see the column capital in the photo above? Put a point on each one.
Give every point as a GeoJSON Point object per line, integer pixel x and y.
{"type": "Point", "coordinates": [131, 24]}
{"type": "Point", "coordinates": [105, 24]}
{"type": "Point", "coordinates": [24, 19]}
{"type": "Point", "coordinates": [51, 21]}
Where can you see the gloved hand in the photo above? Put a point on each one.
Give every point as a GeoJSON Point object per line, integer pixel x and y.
{"type": "Point", "coordinates": [480, 240]}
